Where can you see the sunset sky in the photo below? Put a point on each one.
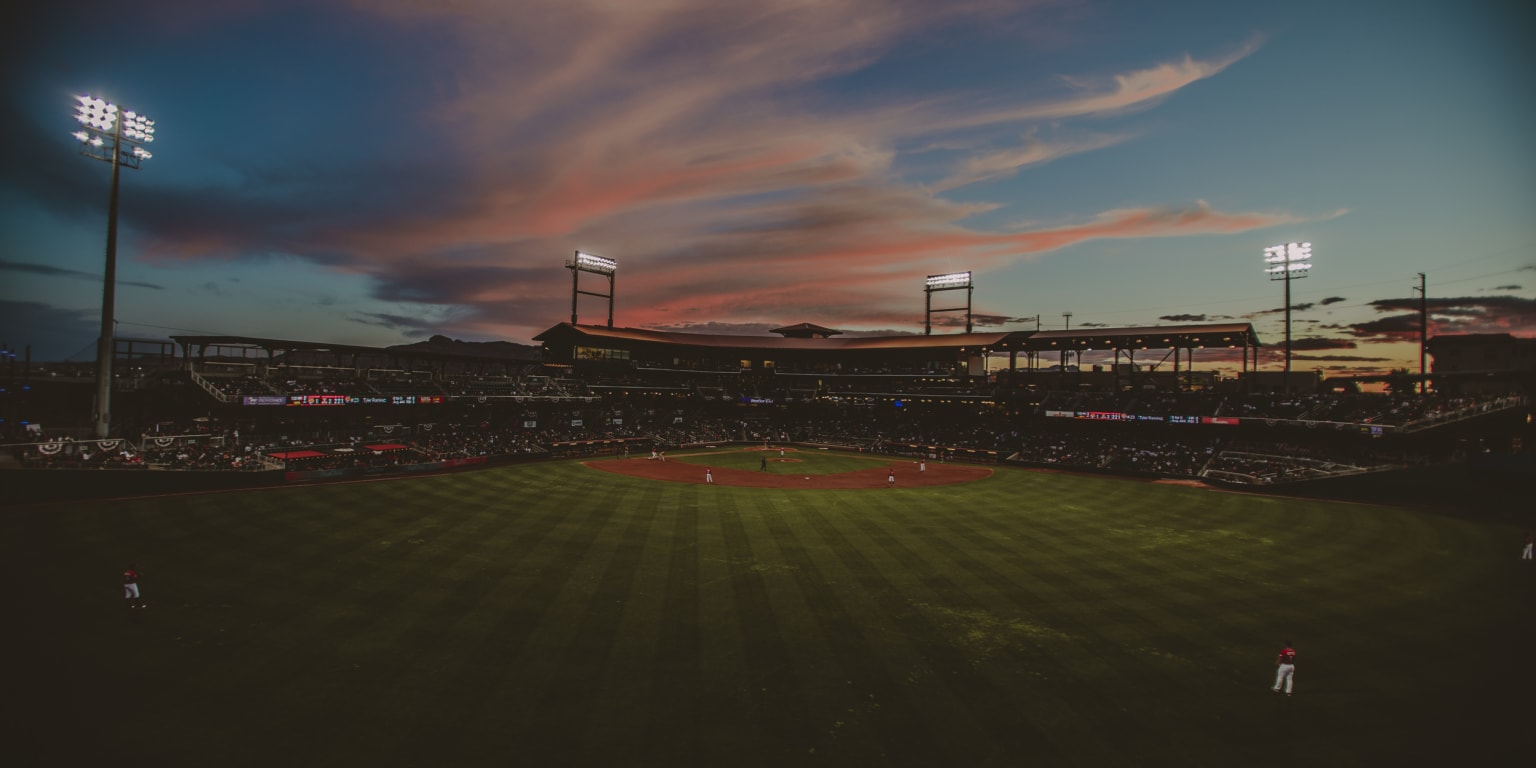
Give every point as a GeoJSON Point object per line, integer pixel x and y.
{"type": "Point", "coordinates": [378, 172]}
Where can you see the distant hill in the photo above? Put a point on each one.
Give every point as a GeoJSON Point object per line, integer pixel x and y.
{"type": "Point", "coordinates": [502, 349]}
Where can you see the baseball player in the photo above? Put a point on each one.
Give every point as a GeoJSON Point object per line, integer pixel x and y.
{"type": "Point", "coordinates": [1285, 668]}
{"type": "Point", "coordinates": [131, 587]}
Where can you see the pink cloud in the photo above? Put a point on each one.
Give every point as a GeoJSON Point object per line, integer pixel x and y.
{"type": "Point", "coordinates": [1032, 152]}
{"type": "Point", "coordinates": [680, 138]}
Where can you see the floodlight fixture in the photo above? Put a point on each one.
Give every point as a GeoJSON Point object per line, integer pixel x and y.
{"type": "Point", "coordinates": [598, 265]}
{"type": "Point", "coordinates": [589, 263]}
{"type": "Point", "coordinates": [952, 281]}
{"type": "Point", "coordinates": [1289, 261]}
{"type": "Point", "coordinates": [113, 135]}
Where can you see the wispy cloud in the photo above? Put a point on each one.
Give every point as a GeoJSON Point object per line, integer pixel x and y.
{"type": "Point", "coordinates": [48, 270]}
{"type": "Point", "coordinates": [1116, 93]}
{"type": "Point", "coordinates": [1032, 151]}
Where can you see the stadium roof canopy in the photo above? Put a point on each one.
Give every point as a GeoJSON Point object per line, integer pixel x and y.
{"type": "Point", "coordinates": [269, 345]}
{"type": "Point", "coordinates": [566, 333]}
{"type": "Point", "coordinates": [561, 338]}
{"type": "Point", "coordinates": [806, 330]}
{"type": "Point", "coordinates": [1141, 337]}
{"type": "Point", "coordinates": [215, 346]}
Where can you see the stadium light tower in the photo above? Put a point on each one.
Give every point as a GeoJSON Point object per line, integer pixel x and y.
{"type": "Point", "coordinates": [953, 281]}
{"type": "Point", "coordinates": [117, 136]}
{"type": "Point", "coordinates": [1288, 262]}
{"type": "Point", "coordinates": [1423, 330]}
{"type": "Point", "coordinates": [597, 265]}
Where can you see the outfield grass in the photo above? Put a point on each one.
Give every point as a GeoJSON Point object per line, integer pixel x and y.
{"type": "Point", "coordinates": [554, 615]}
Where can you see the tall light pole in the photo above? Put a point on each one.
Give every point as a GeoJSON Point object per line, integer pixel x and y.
{"type": "Point", "coordinates": [1423, 330]}
{"type": "Point", "coordinates": [597, 265]}
{"type": "Point", "coordinates": [1288, 262]}
{"type": "Point", "coordinates": [117, 136]}
{"type": "Point", "coordinates": [954, 281]}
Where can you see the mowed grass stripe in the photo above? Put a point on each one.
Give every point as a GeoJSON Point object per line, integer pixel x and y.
{"type": "Point", "coordinates": [503, 666]}
{"type": "Point", "coordinates": [447, 648]}
{"type": "Point", "coordinates": [432, 593]}
{"type": "Point", "coordinates": [344, 637]}
{"type": "Point", "coordinates": [675, 707]}
{"type": "Point", "coordinates": [727, 725]}
{"type": "Point", "coordinates": [582, 670]}
{"type": "Point", "coordinates": [999, 623]}
{"type": "Point", "coordinates": [1005, 621]}
{"type": "Point", "coordinates": [825, 704]}
{"type": "Point", "coordinates": [1010, 737]}
{"type": "Point", "coordinates": [945, 723]}
{"type": "Point", "coordinates": [833, 708]}
{"type": "Point", "coordinates": [1139, 675]}
{"type": "Point", "coordinates": [396, 563]}
{"type": "Point", "coordinates": [774, 682]}
{"type": "Point", "coordinates": [871, 697]}
{"type": "Point", "coordinates": [625, 687]}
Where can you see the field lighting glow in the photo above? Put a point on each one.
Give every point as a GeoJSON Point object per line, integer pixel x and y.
{"type": "Point", "coordinates": [951, 280]}
{"type": "Point", "coordinates": [592, 263]}
{"type": "Point", "coordinates": [1288, 258]}
{"type": "Point", "coordinates": [1280, 269]}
